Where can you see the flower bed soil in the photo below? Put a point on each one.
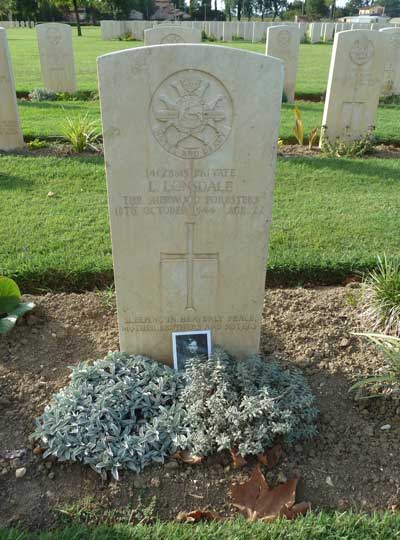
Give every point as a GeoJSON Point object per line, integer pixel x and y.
{"type": "Point", "coordinates": [351, 464]}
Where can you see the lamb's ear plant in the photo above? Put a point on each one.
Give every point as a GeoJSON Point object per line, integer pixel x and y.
{"type": "Point", "coordinates": [387, 383]}
{"type": "Point", "coordinates": [11, 307]}
{"type": "Point", "coordinates": [129, 411]}
{"type": "Point", "coordinates": [342, 148]}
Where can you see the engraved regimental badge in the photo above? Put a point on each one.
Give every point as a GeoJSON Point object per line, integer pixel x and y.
{"type": "Point", "coordinates": [362, 51]}
{"type": "Point", "coordinates": [191, 114]}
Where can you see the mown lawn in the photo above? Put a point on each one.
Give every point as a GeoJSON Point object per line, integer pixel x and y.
{"type": "Point", "coordinates": [331, 217]}
{"type": "Point", "coordinates": [45, 119]}
{"type": "Point", "coordinates": [312, 73]}
{"type": "Point", "coordinates": [338, 526]}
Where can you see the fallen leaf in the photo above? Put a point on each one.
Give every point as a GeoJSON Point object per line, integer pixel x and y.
{"type": "Point", "coordinates": [271, 456]}
{"type": "Point", "coordinates": [299, 509]}
{"type": "Point", "coordinates": [351, 279]}
{"type": "Point", "coordinates": [187, 457]}
{"type": "Point", "coordinates": [197, 515]}
{"type": "Point", "coordinates": [256, 500]}
{"type": "Point", "coordinates": [237, 460]}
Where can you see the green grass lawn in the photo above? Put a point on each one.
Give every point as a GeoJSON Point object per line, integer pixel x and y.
{"type": "Point", "coordinates": [331, 217]}
{"type": "Point", "coordinates": [338, 526]}
{"type": "Point", "coordinates": [45, 119]}
{"type": "Point", "coordinates": [312, 73]}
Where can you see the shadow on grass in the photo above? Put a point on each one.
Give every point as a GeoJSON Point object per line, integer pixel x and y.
{"type": "Point", "coordinates": [12, 182]}
{"type": "Point", "coordinates": [46, 105]}
{"type": "Point", "coordinates": [353, 166]}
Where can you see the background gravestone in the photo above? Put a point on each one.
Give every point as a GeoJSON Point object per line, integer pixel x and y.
{"type": "Point", "coordinates": [315, 32]}
{"type": "Point", "coordinates": [162, 35]}
{"type": "Point", "coordinates": [190, 193]}
{"type": "Point", "coordinates": [56, 57]}
{"type": "Point", "coordinates": [329, 29]}
{"type": "Point", "coordinates": [283, 42]}
{"type": "Point", "coordinates": [354, 84]}
{"type": "Point", "coordinates": [228, 29]}
{"type": "Point", "coordinates": [391, 81]}
{"type": "Point", "coordinates": [10, 126]}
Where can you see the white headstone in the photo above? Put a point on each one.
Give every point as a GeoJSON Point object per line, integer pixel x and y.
{"type": "Point", "coordinates": [302, 26]}
{"type": "Point", "coordinates": [283, 43]}
{"type": "Point", "coordinates": [228, 30]}
{"type": "Point", "coordinates": [315, 32]}
{"type": "Point", "coordinates": [56, 57]}
{"type": "Point", "coordinates": [391, 82]}
{"type": "Point", "coordinates": [190, 193]}
{"type": "Point", "coordinates": [328, 32]}
{"type": "Point", "coordinates": [162, 35]}
{"type": "Point", "coordinates": [248, 31]}
{"type": "Point", "coordinates": [10, 126]}
{"type": "Point", "coordinates": [258, 32]}
{"type": "Point", "coordinates": [240, 29]}
{"type": "Point", "coordinates": [354, 83]}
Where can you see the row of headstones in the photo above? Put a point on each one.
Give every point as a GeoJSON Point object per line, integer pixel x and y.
{"type": "Point", "coordinates": [319, 31]}
{"type": "Point", "coordinates": [17, 24]}
{"type": "Point", "coordinates": [58, 74]}
{"type": "Point", "coordinates": [228, 31]}
{"type": "Point", "coordinates": [373, 70]}
{"type": "Point", "coordinates": [283, 42]}
{"type": "Point", "coordinates": [219, 30]}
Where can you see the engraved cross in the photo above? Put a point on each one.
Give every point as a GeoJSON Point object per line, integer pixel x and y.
{"type": "Point", "coordinates": [189, 257]}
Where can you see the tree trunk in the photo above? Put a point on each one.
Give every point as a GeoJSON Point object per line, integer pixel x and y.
{"type": "Point", "coordinates": [78, 23]}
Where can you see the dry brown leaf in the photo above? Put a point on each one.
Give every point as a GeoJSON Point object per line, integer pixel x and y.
{"type": "Point", "coordinates": [237, 460]}
{"type": "Point", "coordinates": [197, 515]}
{"type": "Point", "coordinates": [271, 456]}
{"type": "Point", "coordinates": [256, 500]}
{"type": "Point", "coordinates": [187, 457]}
{"type": "Point", "coordinates": [297, 510]}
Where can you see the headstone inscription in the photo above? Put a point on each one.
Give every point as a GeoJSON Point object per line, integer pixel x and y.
{"type": "Point", "coordinates": [391, 81]}
{"type": "Point", "coordinates": [190, 194]}
{"type": "Point", "coordinates": [10, 125]}
{"type": "Point", "coordinates": [283, 42]}
{"type": "Point", "coordinates": [354, 83]}
{"type": "Point", "coordinates": [56, 57]}
{"type": "Point", "coordinates": [162, 35]}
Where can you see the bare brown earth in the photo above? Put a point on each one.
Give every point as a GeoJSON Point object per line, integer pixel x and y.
{"type": "Point", "coordinates": [351, 464]}
{"type": "Point", "coordinates": [382, 151]}
{"type": "Point", "coordinates": [58, 148]}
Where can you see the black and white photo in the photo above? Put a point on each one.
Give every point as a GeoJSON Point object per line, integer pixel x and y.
{"type": "Point", "coordinates": [187, 345]}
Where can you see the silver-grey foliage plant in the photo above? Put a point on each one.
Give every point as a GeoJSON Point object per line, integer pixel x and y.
{"type": "Point", "coordinates": [245, 405]}
{"type": "Point", "coordinates": [120, 412]}
{"type": "Point", "coordinates": [128, 411]}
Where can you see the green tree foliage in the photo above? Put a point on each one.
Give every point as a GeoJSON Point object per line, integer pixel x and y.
{"type": "Point", "coordinates": [392, 7]}
{"type": "Point", "coordinates": [193, 8]}
{"type": "Point", "coordinates": [229, 9]}
{"type": "Point", "coordinates": [293, 9]}
{"type": "Point", "coordinates": [316, 9]}
{"type": "Point", "coordinates": [248, 8]}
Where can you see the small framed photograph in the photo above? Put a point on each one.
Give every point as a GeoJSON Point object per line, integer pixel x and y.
{"type": "Point", "coordinates": [188, 345]}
